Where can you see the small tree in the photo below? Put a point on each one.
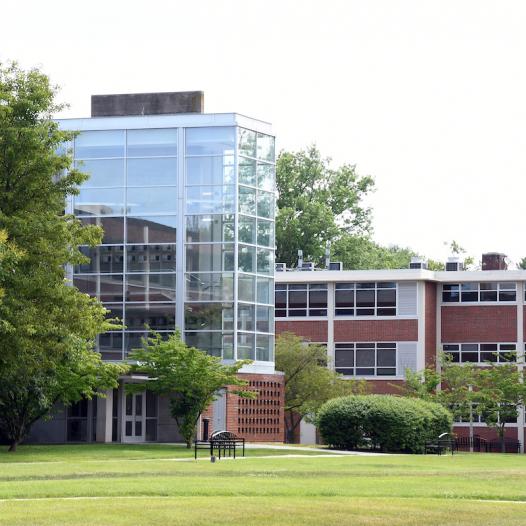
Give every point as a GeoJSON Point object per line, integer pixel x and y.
{"type": "Point", "coordinates": [500, 390]}
{"type": "Point", "coordinates": [188, 376]}
{"type": "Point", "coordinates": [308, 381]}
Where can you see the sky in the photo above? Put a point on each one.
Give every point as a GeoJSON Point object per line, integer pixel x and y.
{"type": "Point", "coordinates": [428, 97]}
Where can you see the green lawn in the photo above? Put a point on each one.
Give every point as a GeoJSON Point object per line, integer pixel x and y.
{"type": "Point", "coordinates": [117, 484]}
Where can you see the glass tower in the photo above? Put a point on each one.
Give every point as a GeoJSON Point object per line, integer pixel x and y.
{"type": "Point", "coordinates": [187, 206]}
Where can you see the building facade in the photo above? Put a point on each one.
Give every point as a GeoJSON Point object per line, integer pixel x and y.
{"type": "Point", "coordinates": [377, 323]}
{"type": "Point", "coordinates": [187, 204]}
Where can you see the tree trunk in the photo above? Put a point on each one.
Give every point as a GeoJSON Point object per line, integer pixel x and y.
{"type": "Point", "coordinates": [12, 446]}
{"type": "Point", "coordinates": [188, 444]}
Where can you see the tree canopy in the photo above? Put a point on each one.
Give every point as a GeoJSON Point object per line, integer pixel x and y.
{"type": "Point", "coordinates": [47, 327]}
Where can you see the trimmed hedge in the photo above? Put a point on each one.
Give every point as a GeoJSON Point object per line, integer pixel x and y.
{"type": "Point", "coordinates": [391, 423]}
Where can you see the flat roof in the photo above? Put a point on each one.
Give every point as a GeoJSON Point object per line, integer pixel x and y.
{"type": "Point", "coordinates": [176, 120]}
{"type": "Point", "coordinates": [325, 276]}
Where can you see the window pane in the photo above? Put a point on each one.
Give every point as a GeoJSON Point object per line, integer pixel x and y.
{"type": "Point", "coordinates": [152, 172]}
{"type": "Point", "coordinates": [103, 172]}
{"type": "Point", "coordinates": [386, 298]}
{"type": "Point", "coordinates": [281, 299]}
{"type": "Point", "coordinates": [247, 259]}
{"type": "Point", "coordinates": [150, 287]}
{"type": "Point", "coordinates": [105, 259]}
{"type": "Point", "coordinates": [365, 298]}
{"type": "Point", "coordinates": [246, 317]}
{"type": "Point", "coordinates": [265, 233]}
{"type": "Point", "coordinates": [208, 316]}
{"type": "Point", "coordinates": [265, 204]}
{"type": "Point", "coordinates": [264, 319]}
{"type": "Point", "coordinates": [365, 358]}
{"type": "Point", "coordinates": [264, 351]}
{"type": "Point", "coordinates": [344, 298]}
{"type": "Point", "coordinates": [206, 258]}
{"type": "Point", "coordinates": [318, 299]}
{"type": "Point", "coordinates": [264, 290]}
{"type": "Point", "coordinates": [386, 357]}
{"type": "Point", "coordinates": [507, 295]}
{"type": "Point", "coordinates": [151, 404]}
{"type": "Point", "coordinates": [247, 229]}
{"type": "Point", "coordinates": [99, 202]}
{"type": "Point", "coordinates": [245, 346]}
{"type": "Point", "coordinates": [92, 144]}
{"type": "Point", "coordinates": [151, 229]}
{"type": "Point", "coordinates": [344, 358]}
{"type": "Point", "coordinates": [205, 287]}
{"type": "Point", "coordinates": [246, 288]}
{"type": "Point", "coordinates": [298, 299]}
{"type": "Point", "coordinates": [247, 200]}
{"type": "Point", "coordinates": [110, 345]}
{"type": "Point", "coordinates": [156, 316]}
{"type": "Point", "coordinates": [152, 200]}
{"type": "Point", "coordinates": [265, 147]}
{"type": "Point", "coordinates": [210, 141]}
{"type": "Point", "coordinates": [106, 287]}
{"type": "Point", "coordinates": [247, 171]}
{"type": "Point", "coordinates": [211, 342]}
{"type": "Point", "coordinates": [209, 228]}
{"type": "Point", "coordinates": [150, 258]}
{"type": "Point", "coordinates": [145, 143]}
{"type": "Point", "coordinates": [113, 228]}
{"type": "Point", "coordinates": [209, 171]}
{"type": "Point", "coordinates": [247, 142]}
{"type": "Point", "coordinates": [210, 200]}
{"type": "Point", "coordinates": [266, 176]}
{"type": "Point", "coordinates": [265, 261]}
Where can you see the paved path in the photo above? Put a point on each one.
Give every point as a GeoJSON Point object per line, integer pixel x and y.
{"type": "Point", "coordinates": [313, 449]}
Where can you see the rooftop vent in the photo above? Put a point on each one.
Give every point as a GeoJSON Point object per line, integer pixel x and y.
{"type": "Point", "coordinates": [335, 265]}
{"type": "Point", "coordinates": [147, 103]}
{"type": "Point", "coordinates": [418, 263]}
{"type": "Point", "coordinates": [280, 267]}
{"type": "Point", "coordinates": [307, 265]}
{"type": "Point", "coordinates": [453, 264]}
{"type": "Point", "coordinates": [494, 261]}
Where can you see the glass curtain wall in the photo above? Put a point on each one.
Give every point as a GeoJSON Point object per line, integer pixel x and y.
{"type": "Point", "coordinates": [132, 194]}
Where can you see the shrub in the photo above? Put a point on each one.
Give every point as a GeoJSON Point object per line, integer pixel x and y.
{"type": "Point", "coordinates": [390, 423]}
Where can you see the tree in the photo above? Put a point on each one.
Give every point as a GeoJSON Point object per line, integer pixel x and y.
{"type": "Point", "coordinates": [317, 204]}
{"type": "Point", "coordinates": [460, 251]}
{"type": "Point", "coordinates": [522, 264]}
{"type": "Point", "coordinates": [47, 327]}
{"type": "Point", "coordinates": [500, 390]}
{"type": "Point", "coordinates": [309, 383]}
{"type": "Point", "coordinates": [188, 376]}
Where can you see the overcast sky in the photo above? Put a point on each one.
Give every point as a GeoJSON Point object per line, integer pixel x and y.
{"type": "Point", "coordinates": [429, 97]}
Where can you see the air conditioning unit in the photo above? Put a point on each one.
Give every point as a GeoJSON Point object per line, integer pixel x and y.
{"type": "Point", "coordinates": [307, 266]}
{"type": "Point", "coordinates": [280, 267]}
{"type": "Point", "coordinates": [335, 265]}
{"type": "Point", "coordinates": [454, 264]}
{"type": "Point", "coordinates": [418, 263]}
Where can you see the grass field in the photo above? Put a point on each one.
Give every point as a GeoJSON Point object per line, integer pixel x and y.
{"type": "Point", "coordinates": [162, 485]}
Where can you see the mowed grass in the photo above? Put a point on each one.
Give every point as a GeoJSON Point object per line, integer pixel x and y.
{"type": "Point", "coordinates": [157, 484]}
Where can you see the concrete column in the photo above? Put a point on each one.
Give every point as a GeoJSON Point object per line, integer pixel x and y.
{"type": "Point", "coordinates": [421, 313]}
{"type": "Point", "coordinates": [330, 325]}
{"type": "Point", "coordinates": [104, 417]}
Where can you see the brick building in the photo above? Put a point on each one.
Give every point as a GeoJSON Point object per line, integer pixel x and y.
{"type": "Point", "coordinates": [377, 323]}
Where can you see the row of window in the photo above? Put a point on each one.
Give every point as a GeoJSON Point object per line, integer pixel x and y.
{"type": "Point", "coordinates": [203, 257]}
{"type": "Point", "coordinates": [163, 142]}
{"type": "Point", "coordinates": [366, 359]}
{"type": "Point", "coordinates": [351, 299]}
{"type": "Point", "coordinates": [162, 171]}
{"type": "Point", "coordinates": [481, 352]}
{"type": "Point", "coordinates": [478, 292]}
{"type": "Point", "coordinates": [163, 200]}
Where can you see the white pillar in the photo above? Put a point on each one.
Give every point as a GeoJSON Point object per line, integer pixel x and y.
{"type": "Point", "coordinates": [104, 417]}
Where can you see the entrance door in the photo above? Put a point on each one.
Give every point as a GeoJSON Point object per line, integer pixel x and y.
{"type": "Point", "coordinates": [134, 417]}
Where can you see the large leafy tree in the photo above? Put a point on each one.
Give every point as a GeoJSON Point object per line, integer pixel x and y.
{"type": "Point", "coordinates": [317, 204]}
{"type": "Point", "coordinates": [309, 383]}
{"type": "Point", "coordinates": [47, 327]}
{"type": "Point", "coordinates": [189, 377]}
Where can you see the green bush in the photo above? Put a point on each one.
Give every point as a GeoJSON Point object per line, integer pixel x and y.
{"type": "Point", "coordinates": [390, 423]}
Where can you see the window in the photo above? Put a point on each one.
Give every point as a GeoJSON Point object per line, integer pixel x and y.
{"type": "Point", "coordinates": [305, 299]}
{"type": "Point", "coordinates": [365, 299]}
{"type": "Point", "coordinates": [481, 352]}
{"type": "Point", "coordinates": [366, 359]}
{"type": "Point", "coordinates": [473, 292]}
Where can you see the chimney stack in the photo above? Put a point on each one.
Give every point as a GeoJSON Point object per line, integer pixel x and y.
{"type": "Point", "coordinates": [494, 261]}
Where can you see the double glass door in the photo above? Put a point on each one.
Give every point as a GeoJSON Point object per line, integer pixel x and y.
{"type": "Point", "coordinates": [134, 417]}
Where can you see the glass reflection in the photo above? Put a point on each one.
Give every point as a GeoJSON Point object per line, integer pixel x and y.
{"type": "Point", "coordinates": [206, 258]}
{"type": "Point", "coordinates": [106, 287]}
{"type": "Point", "coordinates": [151, 142]}
{"type": "Point", "coordinates": [209, 287]}
{"type": "Point", "coordinates": [210, 200]}
{"type": "Point", "coordinates": [212, 343]}
{"type": "Point", "coordinates": [105, 259]}
{"type": "Point", "coordinates": [152, 200]}
{"type": "Point", "coordinates": [208, 316]}
{"type": "Point", "coordinates": [151, 229]}
{"type": "Point", "coordinates": [150, 258]}
{"type": "Point", "coordinates": [154, 315]}
{"type": "Point", "coordinates": [113, 228]}
{"type": "Point", "coordinates": [265, 147]}
{"type": "Point", "coordinates": [247, 142]}
{"type": "Point", "coordinates": [93, 144]}
{"type": "Point", "coordinates": [102, 172]}
{"type": "Point", "coordinates": [99, 202]}
{"type": "Point", "coordinates": [210, 141]}
{"type": "Point", "coordinates": [266, 176]}
{"type": "Point", "coordinates": [209, 170]}
{"type": "Point", "coordinates": [209, 228]}
{"type": "Point", "coordinates": [150, 287]}
{"type": "Point", "coordinates": [152, 172]}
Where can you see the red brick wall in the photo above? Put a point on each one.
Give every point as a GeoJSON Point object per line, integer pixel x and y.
{"type": "Point", "coordinates": [375, 330]}
{"type": "Point", "coordinates": [315, 331]}
{"type": "Point", "coordinates": [484, 432]}
{"type": "Point", "coordinates": [489, 323]}
{"type": "Point", "coordinates": [261, 419]}
{"type": "Point", "coordinates": [384, 386]}
{"type": "Point", "coordinates": [430, 315]}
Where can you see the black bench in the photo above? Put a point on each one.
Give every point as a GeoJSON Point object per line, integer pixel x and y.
{"type": "Point", "coordinates": [441, 445]}
{"type": "Point", "coordinates": [222, 441]}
